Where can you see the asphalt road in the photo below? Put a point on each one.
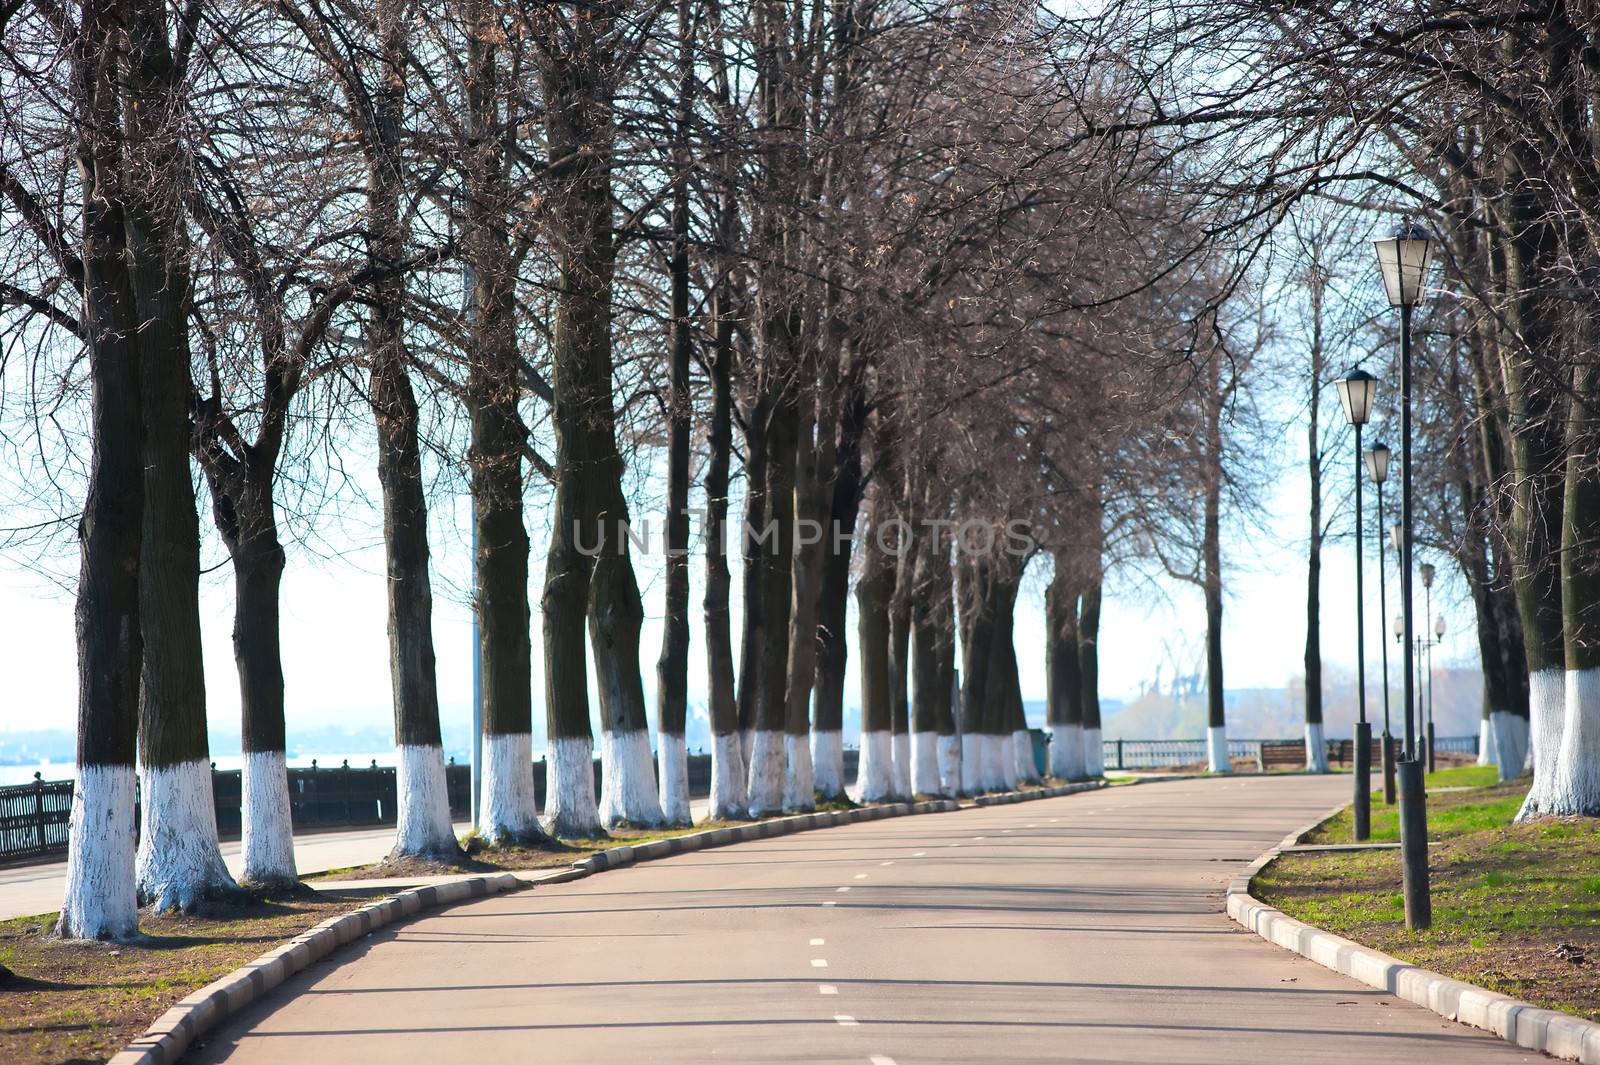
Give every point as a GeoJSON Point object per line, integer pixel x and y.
{"type": "Point", "coordinates": [1086, 928]}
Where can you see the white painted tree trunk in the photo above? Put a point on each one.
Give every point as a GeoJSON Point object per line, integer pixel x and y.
{"type": "Point", "coordinates": [1022, 751]}
{"type": "Point", "coordinates": [971, 763]}
{"type": "Point", "coordinates": [423, 827]}
{"type": "Point", "coordinates": [999, 768]}
{"type": "Point", "coordinates": [1316, 749]}
{"type": "Point", "coordinates": [950, 765]}
{"type": "Point", "coordinates": [1486, 751]}
{"type": "Point", "coordinates": [268, 830]}
{"type": "Point", "coordinates": [508, 811]}
{"type": "Point", "coordinates": [101, 900]}
{"type": "Point", "coordinates": [673, 755]}
{"type": "Point", "coordinates": [1066, 752]}
{"type": "Point", "coordinates": [799, 782]}
{"type": "Point", "coordinates": [570, 811]}
{"type": "Point", "coordinates": [877, 766]}
{"type": "Point", "coordinates": [628, 781]}
{"type": "Point", "coordinates": [827, 763]}
{"type": "Point", "coordinates": [1094, 753]}
{"type": "Point", "coordinates": [902, 765]}
{"type": "Point", "coordinates": [1575, 780]}
{"type": "Point", "coordinates": [767, 764]}
{"type": "Point", "coordinates": [1546, 717]}
{"type": "Point", "coordinates": [925, 764]}
{"type": "Point", "coordinates": [179, 864]}
{"type": "Point", "coordinates": [1217, 760]}
{"type": "Point", "coordinates": [1510, 744]}
{"type": "Point", "coordinates": [729, 778]}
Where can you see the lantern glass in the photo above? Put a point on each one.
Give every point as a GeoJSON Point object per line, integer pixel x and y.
{"type": "Point", "coordinates": [1399, 626]}
{"type": "Point", "coordinates": [1377, 458]}
{"type": "Point", "coordinates": [1394, 537]}
{"type": "Point", "coordinates": [1427, 574]}
{"type": "Point", "coordinates": [1438, 626]}
{"type": "Point", "coordinates": [1403, 260]}
{"type": "Point", "coordinates": [1356, 390]}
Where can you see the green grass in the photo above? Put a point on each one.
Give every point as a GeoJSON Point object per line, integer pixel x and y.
{"type": "Point", "coordinates": [1446, 813]}
{"type": "Point", "coordinates": [1505, 896]}
{"type": "Point", "coordinates": [1464, 776]}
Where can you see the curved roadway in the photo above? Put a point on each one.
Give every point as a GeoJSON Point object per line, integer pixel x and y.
{"type": "Point", "coordinates": [1083, 929]}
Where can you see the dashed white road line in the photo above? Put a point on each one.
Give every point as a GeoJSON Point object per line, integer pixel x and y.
{"type": "Point", "coordinates": [880, 1059]}
{"type": "Point", "coordinates": [816, 942]}
{"type": "Point", "coordinates": [819, 963]}
{"type": "Point", "coordinates": [827, 989]}
{"type": "Point", "coordinates": [845, 888]}
{"type": "Point", "coordinates": [830, 902]}
{"type": "Point", "coordinates": [846, 1021]}
{"type": "Point", "coordinates": [885, 864]}
{"type": "Point", "coordinates": [861, 876]}
{"type": "Point", "coordinates": [920, 854]}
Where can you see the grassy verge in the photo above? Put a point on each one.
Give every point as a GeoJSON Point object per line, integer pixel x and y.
{"type": "Point", "coordinates": [69, 1001]}
{"type": "Point", "coordinates": [1516, 907]}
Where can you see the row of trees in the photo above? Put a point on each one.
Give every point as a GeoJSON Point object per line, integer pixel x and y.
{"type": "Point", "coordinates": [1479, 117]}
{"type": "Point", "coordinates": [904, 280]}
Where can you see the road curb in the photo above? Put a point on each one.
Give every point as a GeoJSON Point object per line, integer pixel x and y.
{"type": "Point", "coordinates": [166, 1040]}
{"type": "Point", "coordinates": [1552, 1032]}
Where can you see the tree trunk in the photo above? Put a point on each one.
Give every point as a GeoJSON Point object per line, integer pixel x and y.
{"type": "Point", "coordinates": [179, 863]}
{"type": "Point", "coordinates": [100, 898]}
{"type": "Point", "coordinates": [874, 591]}
{"type": "Point", "coordinates": [977, 644]}
{"type": "Point", "coordinates": [899, 673]}
{"type": "Point", "coordinates": [1089, 641]}
{"type": "Point", "coordinates": [1211, 578]}
{"type": "Point", "coordinates": [1063, 675]}
{"type": "Point", "coordinates": [508, 812]}
{"type": "Point", "coordinates": [833, 598]}
{"type": "Point", "coordinates": [1316, 747]}
{"type": "Point", "coordinates": [813, 464]}
{"type": "Point", "coordinates": [424, 827]}
{"type": "Point", "coordinates": [729, 774]}
{"type": "Point", "coordinates": [935, 752]}
{"type": "Point", "coordinates": [775, 562]}
{"type": "Point", "coordinates": [1575, 781]}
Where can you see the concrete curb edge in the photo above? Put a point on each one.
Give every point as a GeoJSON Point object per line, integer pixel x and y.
{"type": "Point", "coordinates": [172, 1033]}
{"type": "Point", "coordinates": [1552, 1032]}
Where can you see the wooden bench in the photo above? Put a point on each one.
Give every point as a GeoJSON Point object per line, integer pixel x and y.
{"type": "Point", "coordinates": [1343, 753]}
{"type": "Point", "coordinates": [1282, 754]}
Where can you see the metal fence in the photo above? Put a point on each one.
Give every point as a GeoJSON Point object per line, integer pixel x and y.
{"type": "Point", "coordinates": [33, 817]}
{"type": "Point", "coordinates": [1167, 754]}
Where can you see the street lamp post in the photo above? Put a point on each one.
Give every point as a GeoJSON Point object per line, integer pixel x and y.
{"type": "Point", "coordinates": [1438, 638]}
{"type": "Point", "coordinates": [1425, 661]}
{"type": "Point", "coordinates": [1378, 467]}
{"type": "Point", "coordinates": [1356, 390]}
{"type": "Point", "coordinates": [1403, 261]}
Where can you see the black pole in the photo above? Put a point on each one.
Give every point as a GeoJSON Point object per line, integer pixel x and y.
{"type": "Point", "coordinates": [1363, 749]}
{"type": "Point", "coordinates": [1430, 642]}
{"type": "Point", "coordinates": [1383, 619]}
{"type": "Point", "coordinates": [1413, 800]}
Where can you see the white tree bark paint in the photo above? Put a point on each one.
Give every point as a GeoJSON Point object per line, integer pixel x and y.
{"type": "Point", "coordinates": [101, 900]}
{"type": "Point", "coordinates": [268, 831]}
{"type": "Point", "coordinates": [1486, 752]}
{"type": "Point", "coordinates": [950, 765]}
{"type": "Point", "coordinates": [1094, 753]}
{"type": "Point", "coordinates": [1546, 717]}
{"type": "Point", "coordinates": [729, 778]}
{"type": "Point", "coordinates": [1575, 782]}
{"type": "Point", "coordinates": [971, 763]}
{"type": "Point", "coordinates": [1316, 749]}
{"type": "Point", "coordinates": [827, 763]}
{"type": "Point", "coordinates": [673, 755]}
{"type": "Point", "coordinates": [1022, 752]}
{"type": "Point", "coordinates": [767, 764]}
{"type": "Point", "coordinates": [877, 766]}
{"type": "Point", "coordinates": [1003, 756]}
{"type": "Point", "coordinates": [1066, 752]}
{"type": "Point", "coordinates": [1510, 744]}
{"type": "Point", "coordinates": [996, 751]}
{"type": "Point", "coordinates": [799, 783]}
{"type": "Point", "coordinates": [508, 810]}
{"type": "Point", "coordinates": [925, 764]}
{"type": "Point", "coordinates": [1217, 749]}
{"type": "Point", "coordinates": [179, 864]}
{"type": "Point", "coordinates": [902, 765]}
{"type": "Point", "coordinates": [628, 781]}
{"type": "Point", "coordinates": [423, 825]}
{"type": "Point", "coordinates": [570, 811]}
